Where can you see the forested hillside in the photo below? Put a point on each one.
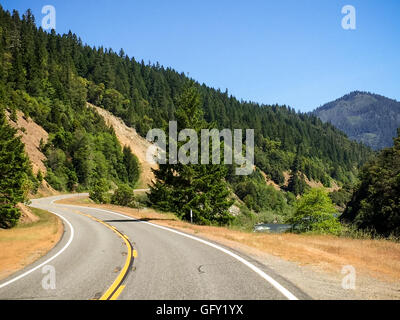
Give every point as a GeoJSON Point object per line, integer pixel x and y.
{"type": "Point", "coordinates": [38, 77]}
{"type": "Point", "coordinates": [50, 77]}
{"type": "Point", "coordinates": [365, 117]}
{"type": "Point", "coordinates": [375, 204]}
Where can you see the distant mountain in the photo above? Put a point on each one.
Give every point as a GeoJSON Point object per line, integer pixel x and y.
{"type": "Point", "coordinates": [364, 117]}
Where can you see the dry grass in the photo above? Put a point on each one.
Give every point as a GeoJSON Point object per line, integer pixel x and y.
{"type": "Point", "coordinates": [28, 242]}
{"type": "Point", "coordinates": [377, 258]}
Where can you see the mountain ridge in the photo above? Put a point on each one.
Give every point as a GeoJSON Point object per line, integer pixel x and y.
{"type": "Point", "coordinates": [365, 117]}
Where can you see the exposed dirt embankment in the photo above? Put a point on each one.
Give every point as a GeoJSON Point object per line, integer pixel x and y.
{"type": "Point", "coordinates": [286, 175]}
{"type": "Point", "coordinates": [129, 137]}
{"type": "Point", "coordinates": [31, 135]}
{"type": "Point", "coordinates": [27, 216]}
{"type": "Point", "coordinates": [269, 181]}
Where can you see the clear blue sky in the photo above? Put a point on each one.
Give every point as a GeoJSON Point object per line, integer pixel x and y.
{"type": "Point", "coordinates": [288, 51]}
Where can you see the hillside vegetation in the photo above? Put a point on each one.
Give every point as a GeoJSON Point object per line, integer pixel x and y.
{"type": "Point", "coordinates": [51, 77]}
{"type": "Point", "coordinates": [39, 79]}
{"type": "Point", "coordinates": [365, 117]}
{"type": "Point", "coordinates": [375, 204]}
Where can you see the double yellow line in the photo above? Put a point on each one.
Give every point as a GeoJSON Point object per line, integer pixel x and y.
{"type": "Point", "coordinates": [116, 288]}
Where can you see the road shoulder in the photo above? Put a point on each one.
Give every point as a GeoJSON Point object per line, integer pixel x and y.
{"type": "Point", "coordinates": [28, 242]}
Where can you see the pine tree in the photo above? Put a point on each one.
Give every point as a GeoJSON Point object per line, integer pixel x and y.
{"type": "Point", "coordinates": [296, 184]}
{"type": "Point", "coordinates": [132, 166]}
{"type": "Point", "coordinates": [14, 171]}
{"type": "Point", "coordinates": [201, 188]}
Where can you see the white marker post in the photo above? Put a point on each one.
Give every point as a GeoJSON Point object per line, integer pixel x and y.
{"type": "Point", "coordinates": [191, 216]}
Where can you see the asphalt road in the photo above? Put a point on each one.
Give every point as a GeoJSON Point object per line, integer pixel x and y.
{"type": "Point", "coordinates": [106, 255]}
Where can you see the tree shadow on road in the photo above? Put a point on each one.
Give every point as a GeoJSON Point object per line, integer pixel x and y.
{"type": "Point", "coordinates": [139, 220]}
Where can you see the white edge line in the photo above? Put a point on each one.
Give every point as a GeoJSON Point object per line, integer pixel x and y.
{"type": "Point", "coordinates": [48, 260]}
{"type": "Point", "coordinates": [261, 273]}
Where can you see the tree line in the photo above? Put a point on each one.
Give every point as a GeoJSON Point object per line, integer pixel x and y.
{"type": "Point", "coordinates": [60, 72]}
{"type": "Point", "coordinates": [50, 77]}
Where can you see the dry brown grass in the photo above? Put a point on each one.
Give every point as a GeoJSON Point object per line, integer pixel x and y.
{"type": "Point", "coordinates": [28, 242]}
{"type": "Point", "coordinates": [377, 258]}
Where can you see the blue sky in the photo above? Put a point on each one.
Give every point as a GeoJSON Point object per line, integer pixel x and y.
{"type": "Point", "coordinates": [288, 51]}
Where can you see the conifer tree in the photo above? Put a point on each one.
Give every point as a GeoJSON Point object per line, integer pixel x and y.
{"type": "Point", "coordinates": [14, 171]}
{"type": "Point", "coordinates": [132, 165]}
{"type": "Point", "coordinates": [296, 184]}
{"type": "Point", "coordinates": [183, 187]}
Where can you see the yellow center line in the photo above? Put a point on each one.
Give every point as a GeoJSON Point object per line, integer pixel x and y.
{"type": "Point", "coordinates": [123, 272]}
{"type": "Point", "coordinates": [117, 293]}
{"type": "Point", "coordinates": [116, 288]}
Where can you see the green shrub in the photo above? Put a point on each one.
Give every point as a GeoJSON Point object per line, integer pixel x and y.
{"type": "Point", "coordinates": [261, 197]}
{"type": "Point", "coordinates": [55, 181]}
{"type": "Point", "coordinates": [99, 192]}
{"type": "Point", "coordinates": [123, 196]}
{"type": "Point", "coordinates": [9, 216]}
{"type": "Point", "coordinates": [314, 213]}
{"type": "Point", "coordinates": [247, 219]}
{"type": "Point", "coordinates": [142, 200]}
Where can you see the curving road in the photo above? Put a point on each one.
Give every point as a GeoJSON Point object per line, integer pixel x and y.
{"type": "Point", "coordinates": [107, 255]}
